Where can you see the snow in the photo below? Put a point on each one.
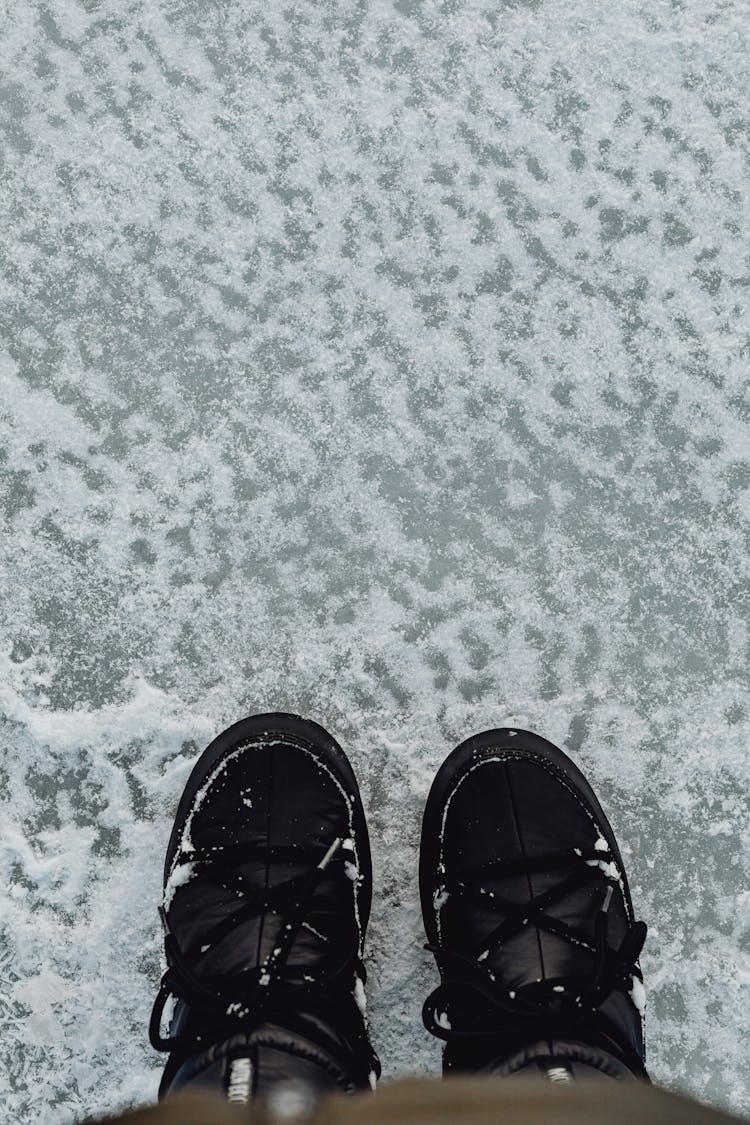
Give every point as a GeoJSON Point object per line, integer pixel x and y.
{"type": "Point", "coordinates": [385, 365]}
{"type": "Point", "coordinates": [440, 898]}
{"type": "Point", "coordinates": [638, 994]}
{"type": "Point", "coordinates": [180, 875]}
{"type": "Point", "coordinates": [359, 996]}
{"type": "Point", "coordinates": [608, 867]}
{"type": "Point", "coordinates": [167, 1014]}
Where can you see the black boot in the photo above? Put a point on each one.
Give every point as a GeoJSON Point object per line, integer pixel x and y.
{"type": "Point", "coordinates": [267, 888]}
{"type": "Point", "coordinates": [527, 909]}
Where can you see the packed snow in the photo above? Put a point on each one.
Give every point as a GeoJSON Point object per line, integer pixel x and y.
{"type": "Point", "coordinates": [386, 362]}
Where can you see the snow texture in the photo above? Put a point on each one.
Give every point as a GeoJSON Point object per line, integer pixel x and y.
{"type": "Point", "coordinates": [384, 361]}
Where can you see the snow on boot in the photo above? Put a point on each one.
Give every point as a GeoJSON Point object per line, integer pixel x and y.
{"type": "Point", "coordinates": [528, 912]}
{"type": "Point", "coordinates": [267, 889]}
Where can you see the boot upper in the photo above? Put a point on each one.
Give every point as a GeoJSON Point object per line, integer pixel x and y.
{"type": "Point", "coordinates": [527, 905]}
{"type": "Point", "coordinates": [266, 899]}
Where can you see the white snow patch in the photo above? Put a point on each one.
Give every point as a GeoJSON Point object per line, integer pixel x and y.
{"type": "Point", "coordinates": [359, 995]}
{"type": "Point", "coordinates": [440, 898]}
{"type": "Point", "coordinates": [608, 867]}
{"type": "Point", "coordinates": [167, 1014]}
{"type": "Point", "coordinates": [41, 994]}
{"type": "Point", "coordinates": [181, 874]}
{"type": "Point", "coordinates": [638, 994]}
{"type": "Point", "coordinates": [441, 1019]}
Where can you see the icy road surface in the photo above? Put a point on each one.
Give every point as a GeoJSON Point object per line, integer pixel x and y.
{"type": "Point", "coordinates": [387, 362]}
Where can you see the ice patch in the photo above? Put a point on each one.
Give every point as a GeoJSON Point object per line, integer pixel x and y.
{"type": "Point", "coordinates": [223, 475]}
{"type": "Point", "coordinates": [441, 1019]}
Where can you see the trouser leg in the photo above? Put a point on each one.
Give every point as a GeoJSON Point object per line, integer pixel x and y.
{"type": "Point", "coordinates": [481, 1101]}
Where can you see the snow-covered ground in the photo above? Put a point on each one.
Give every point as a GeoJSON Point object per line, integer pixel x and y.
{"type": "Point", "coordinates": [386, 361]}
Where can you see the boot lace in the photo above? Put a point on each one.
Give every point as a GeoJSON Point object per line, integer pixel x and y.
{"type": "Point", "coordinates": [222, 1005]}
{"type": "Point", "coordinates": [551, 1007]}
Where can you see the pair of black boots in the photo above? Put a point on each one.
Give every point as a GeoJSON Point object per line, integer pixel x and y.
{"type": "Point", "coordinates": [267, 890]}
